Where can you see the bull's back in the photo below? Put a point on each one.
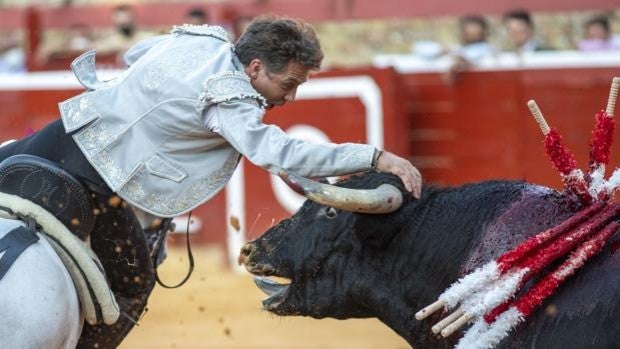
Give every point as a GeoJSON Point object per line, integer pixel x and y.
{"type": "Point", "coordinates": [583, 312]}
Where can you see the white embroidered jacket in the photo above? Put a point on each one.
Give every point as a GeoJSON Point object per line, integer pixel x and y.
{"type": "Point", "coordinates": [146, 135]}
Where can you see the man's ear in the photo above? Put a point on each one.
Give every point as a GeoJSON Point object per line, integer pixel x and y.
{"type": "Point", "coordinates": [254, 68]}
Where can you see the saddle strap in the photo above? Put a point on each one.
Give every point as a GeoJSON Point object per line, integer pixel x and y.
{"type": "Point", "coordinates": [14, 243]}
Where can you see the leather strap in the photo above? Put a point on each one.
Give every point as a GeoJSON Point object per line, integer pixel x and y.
{"type": "Point", "coordinates": [14, 243]}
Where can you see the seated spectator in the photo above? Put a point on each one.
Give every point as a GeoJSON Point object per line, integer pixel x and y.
{"type": "Point", "coordinates": [520, 30]}
{"type": "Point", "coordinates": [76, 40]}
{"type": "Point", "coordinates": [196, 16]}
{"type": "Point", "coordinates": [125, 32]}
{"type": "Point", "coordinates": [12, 59]}
{"type": "Point", "coordinates": [598, 36]}
{"type": "Point", "coordinates": [79, 38]}
{"type": "Point", "coordinates": [474, 35]}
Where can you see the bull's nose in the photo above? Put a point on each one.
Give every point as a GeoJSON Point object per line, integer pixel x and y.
{"type": "Point", "coordinates": [246, 250]}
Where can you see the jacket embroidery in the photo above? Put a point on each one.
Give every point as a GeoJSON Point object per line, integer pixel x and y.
{"type": "Point", "coordinates": [112, 172]}
{"type": "Point", "coordinates": [205, 30]}
{"type": "Point", "coordinates": [178, 63]}
{"type": "Point", "coordinates": [93, 138]}
{"type": "Point", "coordinates": [228, 85]}
{"type": "Point", "coordinates": [202, 190]}
{"type": "Point", "coordinates": [85, 71]}
{"type": "Point", "coordinates": [77, 112]}
{"type": "Point", "coordinates": [360, 156]}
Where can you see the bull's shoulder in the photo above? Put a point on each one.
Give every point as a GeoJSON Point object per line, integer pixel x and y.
{"type": "Point", "coordinates": [530, 210]}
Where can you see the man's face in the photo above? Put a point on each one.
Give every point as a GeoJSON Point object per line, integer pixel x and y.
{"type": "Point", "coordinates": [195, 20]}
{"type": "Point", "coordinates": [122, 18]}
{"type": "Point", "coordinates": [278, 88]}
{"type": "Point", "coordinates": [472, 33]}
{"type": "Point", "coordinates": [596, 32]}
{"type": "Point", "coordinates": [518, 31]}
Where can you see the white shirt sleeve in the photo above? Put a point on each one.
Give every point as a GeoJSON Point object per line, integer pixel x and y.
{"type": "Point", "coordinates": [209, 115]}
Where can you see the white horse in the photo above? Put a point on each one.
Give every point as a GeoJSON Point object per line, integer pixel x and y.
{"type": "Point", "coordinates": [57, 282]}
{"type": "Point", "coordinates": [39, 304]}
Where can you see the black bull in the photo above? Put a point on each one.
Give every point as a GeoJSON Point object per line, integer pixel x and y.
{"type": "Point", "coordinates": [351, 265]}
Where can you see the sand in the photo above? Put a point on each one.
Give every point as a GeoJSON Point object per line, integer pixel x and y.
{"type": "Point", "coordinates": [220, 308]}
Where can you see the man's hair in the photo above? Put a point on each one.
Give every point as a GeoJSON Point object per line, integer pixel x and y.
{"type": "Point", "coordinates": [279, 41]}
{"type": "Point", "coordinates": [520, 15]}
{"type": "Point", "coordinates": [601, 20]}
{"type": "Point", "coordinates": [476, 19]}
{"type": "Point", "coordinates": [197, 12]}
{"type": "Point", "coordinates": [123, 8]}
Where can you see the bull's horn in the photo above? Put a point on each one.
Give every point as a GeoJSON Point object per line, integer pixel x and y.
{"type": "Point", "coordinates": [384, 199]}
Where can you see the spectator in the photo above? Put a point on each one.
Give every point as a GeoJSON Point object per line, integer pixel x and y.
{"type": "Point", "coordinates": [12, 59]}
{"type": "Point", "coordinates": [125, 32]}
{"type": "Point", "coordinates": [520, 30]}
{"type": "Point", "coordinates": [75, 41]}
{"type": "Point", "coordinates": [196, 16]}
{"type": "Point", "coordinates": [474, 35]}
{"type": "Point", "coordinates": [473, 32]}
{"type": "Point", "coordinates": [79, 38]}
{"type": "Point", "coordinates": [598, 36]}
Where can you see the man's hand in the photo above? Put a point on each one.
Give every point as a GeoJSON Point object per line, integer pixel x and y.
{"type": "Point", "coordinates": [410, 175]}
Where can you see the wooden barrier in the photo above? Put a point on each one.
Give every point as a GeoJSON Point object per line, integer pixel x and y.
{"type": "Point", "coordinates": [480, 127]}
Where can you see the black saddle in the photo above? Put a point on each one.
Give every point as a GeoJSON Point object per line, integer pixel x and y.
{"type": "Point", "coordinates": [49, 186]}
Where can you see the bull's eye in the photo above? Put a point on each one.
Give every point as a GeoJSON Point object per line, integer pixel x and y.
{"type": "Point", "coordinates": [331, 212]}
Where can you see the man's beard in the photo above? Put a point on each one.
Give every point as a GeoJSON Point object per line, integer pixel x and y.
{"type": "Point", "coordinates": [127, 30]}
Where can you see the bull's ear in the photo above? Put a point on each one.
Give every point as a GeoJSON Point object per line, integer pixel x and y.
{"type": "Point", "coordinates": [378, 230]}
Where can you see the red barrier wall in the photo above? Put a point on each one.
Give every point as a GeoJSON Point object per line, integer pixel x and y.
{"type": "Point", "coordinates": [481, 128]}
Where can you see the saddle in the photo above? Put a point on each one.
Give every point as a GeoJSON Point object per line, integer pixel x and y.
{"type": "Point", "coordinates": [35, 189]}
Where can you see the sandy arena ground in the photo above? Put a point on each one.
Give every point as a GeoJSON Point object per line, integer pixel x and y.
{"type": "Point", "coordinates": [218, 308]}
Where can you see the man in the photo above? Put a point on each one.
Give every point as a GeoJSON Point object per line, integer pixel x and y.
{"type": "Point", "coordinates": [475, 47]}
{"type": "Point", "coordinates": [520, 30]}
{"type": "Point", "coordinates": [167, 134]}
{"type": "Point", "coordinates": [125, 33]}
{"type": "Point", "coordinates": [474, 37]}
